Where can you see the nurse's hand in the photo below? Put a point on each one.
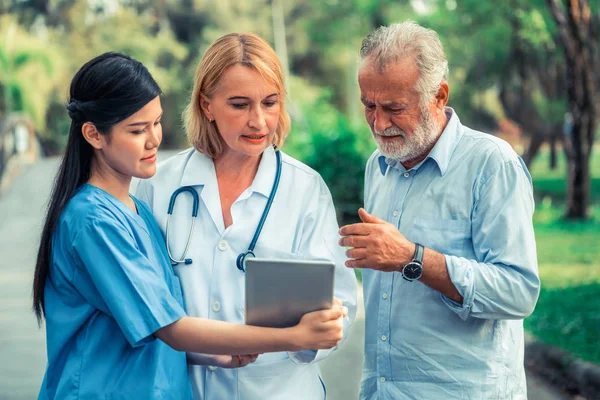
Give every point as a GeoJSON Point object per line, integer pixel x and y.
{"type": "Point", "coordinates": [321, 329]}
{"type": "Point", "coordinates": [222, 361]}
{"type": "Point", "coordinates": [235, 361]}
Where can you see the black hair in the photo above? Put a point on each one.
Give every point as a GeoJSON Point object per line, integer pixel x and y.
{"type": "Point", "coordinates": [105, 91]}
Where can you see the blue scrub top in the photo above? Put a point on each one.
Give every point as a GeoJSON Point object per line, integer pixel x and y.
{"type": "Point", "coordinates": [110, 287]}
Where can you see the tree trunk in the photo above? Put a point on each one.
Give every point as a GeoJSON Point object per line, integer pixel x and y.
{"type": "Point", "coordinates": [535, 142]}
{"type": "Point", "coordinates": [552, 152]}
{"type": "Point", "coordinates": [576, 28]}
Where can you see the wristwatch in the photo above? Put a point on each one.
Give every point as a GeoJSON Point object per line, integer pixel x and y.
{"type": "Point", "coordinates": [414, 269]}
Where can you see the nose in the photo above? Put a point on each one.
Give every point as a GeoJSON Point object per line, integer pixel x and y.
{"type": "Point", "coordinates": [257, 119]}
{"type": "Point", "coordinates": [154, 136]}
{"type": "Point", "coordinates": [382, 120]}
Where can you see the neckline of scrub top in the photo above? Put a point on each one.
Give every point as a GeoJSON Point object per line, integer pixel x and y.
{"type": "Point", "coordinates": [122, 206]}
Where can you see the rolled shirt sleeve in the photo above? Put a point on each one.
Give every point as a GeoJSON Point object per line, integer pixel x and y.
{"type": "Point", "coordinates": [505, 283]}
{"type": "Point", "coordinates": [129, 288]}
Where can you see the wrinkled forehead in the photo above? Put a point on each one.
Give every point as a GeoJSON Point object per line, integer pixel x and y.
{"type": "Point", "coordinates": [396, 79]}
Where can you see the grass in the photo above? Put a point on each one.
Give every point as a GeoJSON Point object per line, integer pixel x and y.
{"type": "Point", "coordinates": [567, 314]}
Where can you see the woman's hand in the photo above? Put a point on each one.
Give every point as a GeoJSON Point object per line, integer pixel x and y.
{"type": "Point", "coordinates": [321, 329]}
{"type": "Point", "coordinates": [222, 361]}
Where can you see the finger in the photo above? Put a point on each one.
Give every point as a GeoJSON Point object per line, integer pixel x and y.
{"type": "Point", "coordinates": [332, 314]}
{"type": "Point", "coordinates": [368, 218]}
{"type": "Point", "coordinates": [355, 229]}
{"type": "Point", "coordinates": [247, 359]}
{"type": "Point", "coordinates": [353, 241]}
{"type": "Point", "coordinates": [337, 301]}
{"type": "Point", "coordinates": [360, 263]}
{"type": "Point", "coordinates": [357, 253]}
{"type": "Point", "coordinates": [344, 311]}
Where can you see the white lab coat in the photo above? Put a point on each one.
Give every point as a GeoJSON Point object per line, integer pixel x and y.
{"type": "Point", "coordinates": [301, 224]}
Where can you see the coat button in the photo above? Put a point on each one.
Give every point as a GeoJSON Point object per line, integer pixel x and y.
{"type": "Point", "coordinates": [216, 306]}
{"type": "Point", "coordinates": [222, 245]}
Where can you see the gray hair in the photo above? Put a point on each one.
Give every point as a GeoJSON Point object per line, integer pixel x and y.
{"type": "Point", "coordinates": [389, 44]}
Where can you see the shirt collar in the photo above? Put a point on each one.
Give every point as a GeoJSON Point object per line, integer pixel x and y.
{"type": "Point", "coordinates": [265, 176]}
{"type": "Point", "coordinates": [442, 150]}
{"type": "Point", "coordinates": [200, 170]}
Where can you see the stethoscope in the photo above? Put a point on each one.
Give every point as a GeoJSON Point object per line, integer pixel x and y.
{"type": "Point", "coordinates": [196, 204]}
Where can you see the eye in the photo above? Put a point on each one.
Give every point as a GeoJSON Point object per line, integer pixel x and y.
{"type": "Point", "coordinates": [157, 123]}
{"type": "Point", "coordinates": [270, 103]}
{"type": "Point", "coordinates": [239, 106]}
{"type": "Point", "coordinates": [139, 132]}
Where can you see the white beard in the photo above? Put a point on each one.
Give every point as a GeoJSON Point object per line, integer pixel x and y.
{"type": "Point", "coordinates": [421, 140]}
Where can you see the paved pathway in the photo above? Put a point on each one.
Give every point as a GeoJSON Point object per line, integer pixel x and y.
{"type": "Point", "coordinates": [22, 344]}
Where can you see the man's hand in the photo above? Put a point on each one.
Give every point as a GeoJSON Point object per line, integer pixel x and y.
{"type": "Point", "coordinates": [375, 244]}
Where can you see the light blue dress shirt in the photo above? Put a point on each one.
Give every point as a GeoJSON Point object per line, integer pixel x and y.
{"type": "Point", "coordinates": [471, 200]}
{"type": "Point", "coordinates": [301, 225]}
{"type": "Point", "coordinates": [110, 287]}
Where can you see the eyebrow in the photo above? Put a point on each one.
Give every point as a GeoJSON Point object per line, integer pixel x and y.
{"type": "Point", "coordinates": [393, 104]}
{"type": "Point", "coordinates": [248, 98]}
{"type": "Point", "coordinates": [144, 123]}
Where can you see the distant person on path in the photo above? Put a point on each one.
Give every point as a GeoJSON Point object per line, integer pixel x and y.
{"type": "Point", "coordinates": [115, 322]}
{"type": "Point", "coordinates": [237, 124]}
{"type": "Point", "coordinates": [447, 244]}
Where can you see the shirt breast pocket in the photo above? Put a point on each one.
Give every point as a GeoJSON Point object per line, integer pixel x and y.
{"type": "Point", "coordinates": [447, 236]}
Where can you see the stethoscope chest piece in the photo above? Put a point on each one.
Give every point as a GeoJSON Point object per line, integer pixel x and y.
{"type": "Point", "coordinates": [241, 260]}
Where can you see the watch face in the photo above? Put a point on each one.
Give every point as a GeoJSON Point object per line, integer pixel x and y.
{"type": "Point", "coordinates": [412, 271]}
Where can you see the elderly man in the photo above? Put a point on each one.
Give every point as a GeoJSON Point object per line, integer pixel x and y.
{"type": "Point", "coordinates": [446, 243]}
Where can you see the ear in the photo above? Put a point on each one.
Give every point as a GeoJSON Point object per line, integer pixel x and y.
{"type": "Point", "coordinates": [92, 136]}
{"type": "Point", "coordinates": [205, 107]}
{"type": "Point", "coordinates": [441, 98]}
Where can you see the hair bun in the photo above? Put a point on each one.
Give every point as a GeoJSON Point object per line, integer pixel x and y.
{"type": "Point", "coordinates": [75, 109]}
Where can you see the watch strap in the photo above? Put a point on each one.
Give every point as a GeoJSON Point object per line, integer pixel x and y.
{"type": "Point", "coordinates": [419, 252]}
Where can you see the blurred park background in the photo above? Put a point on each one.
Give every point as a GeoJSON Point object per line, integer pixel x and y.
{"type": "Point", "coordinates": [524, 70]}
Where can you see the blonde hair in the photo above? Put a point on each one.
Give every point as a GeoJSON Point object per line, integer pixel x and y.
{"type": "Point", "coordinates": [246, 49]}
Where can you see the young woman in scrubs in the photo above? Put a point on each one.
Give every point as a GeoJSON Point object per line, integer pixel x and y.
{"type": "Point", "coordinates": [103, 279]}
{"type": "Point", "coordinates": [235, 115]}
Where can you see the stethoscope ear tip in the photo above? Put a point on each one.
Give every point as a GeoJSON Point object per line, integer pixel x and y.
{"type": "Point", "coordinates": [188, 261]}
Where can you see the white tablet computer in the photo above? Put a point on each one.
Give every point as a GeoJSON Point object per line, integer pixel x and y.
{"type": "Point", "coordinates": [280, 292]}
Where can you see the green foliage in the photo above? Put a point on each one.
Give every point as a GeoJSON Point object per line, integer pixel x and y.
{"type": "Point", "coordinates": [28, 65]}
{"type": "Point", "coordinates": [327, 141]}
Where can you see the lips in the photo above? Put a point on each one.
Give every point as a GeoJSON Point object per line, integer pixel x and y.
{"type": "Point", "coordinates": [150, 158]}
{"type": "Point", "coordinates": [254, 137]}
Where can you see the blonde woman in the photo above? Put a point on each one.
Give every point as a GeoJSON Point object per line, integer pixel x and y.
{"type": "Point", "coordinates": [237, 123]}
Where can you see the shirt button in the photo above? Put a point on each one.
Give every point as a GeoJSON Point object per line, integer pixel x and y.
{"type": "Point", "coordinates": [212, 367]}
{"type": "Point", "coordinates": [385, 296]}
{"type": "Point", "coordinates": [406, 174]}
{"type": "Point", "coordinates": [383, 337]}
{"type": "Point", "coordinates": [216, 306]}
{"type": "Point", "coordinates": [396, 213]}
{"type": "Point", "coordinates": [222, 245]}
{"type": "Point", "coordinates": [382, 379]}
